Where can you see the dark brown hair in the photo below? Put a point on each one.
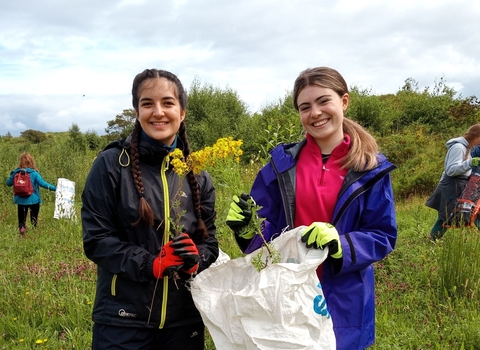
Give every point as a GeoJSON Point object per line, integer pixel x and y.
{"type": "Point", "coordinates": [144, 209]}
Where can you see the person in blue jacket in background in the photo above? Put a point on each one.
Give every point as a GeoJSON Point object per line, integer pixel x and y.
{"type": "Point", "coordinates": [32, 202]}
{"type": "Point", "coordinates": [337, 184]}
{"type": "Point", "coordinates": [475, 153]}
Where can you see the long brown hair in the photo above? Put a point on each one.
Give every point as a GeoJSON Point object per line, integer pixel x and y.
{"type": "Point", "coordinates": [472, 133]}
{"type": "Point", "coordinates": [363, 147]}
{"type": "Point", "coordinates": [26, 161]}
{"type": "Point", "coordinates": [145, 211]}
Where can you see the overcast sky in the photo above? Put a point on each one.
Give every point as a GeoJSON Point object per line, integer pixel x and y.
{"type": "Point", "coordinates": [65, 62]}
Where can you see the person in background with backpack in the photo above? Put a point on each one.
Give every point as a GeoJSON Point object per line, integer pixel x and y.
{"type": "Point", "coordinates": [458, 166]}
{"type": "Point", "coordinates": [26, 201]}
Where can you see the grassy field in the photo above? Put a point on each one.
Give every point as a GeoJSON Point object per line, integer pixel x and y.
{"type": "Point", "coordinates": [427, 294]}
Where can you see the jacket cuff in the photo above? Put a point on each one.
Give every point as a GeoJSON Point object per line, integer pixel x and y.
{"type": "Point", "coordinates": [149, 266]}
{"type": "Point", "coordinates": [336, 264]}
{"type": "Point", "coordinates": [242, 242]}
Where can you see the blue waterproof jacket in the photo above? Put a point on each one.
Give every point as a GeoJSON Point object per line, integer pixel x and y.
{"type": "Point", "coordinates": [37, 182]}
{"type": "Point", "coordinates": [364, 217]}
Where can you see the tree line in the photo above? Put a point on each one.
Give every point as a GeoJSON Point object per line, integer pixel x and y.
{"type": "Point", "coordinates": [411, 126]}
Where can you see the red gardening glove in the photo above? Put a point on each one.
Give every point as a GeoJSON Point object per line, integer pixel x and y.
{"type": "Point", "coordinates": [167, 262]}
{"type": "Point", "coordinates": [187, 250]}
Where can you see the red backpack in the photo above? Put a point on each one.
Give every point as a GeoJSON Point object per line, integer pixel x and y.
{"type": "Point", "coordinates": [22, 184]}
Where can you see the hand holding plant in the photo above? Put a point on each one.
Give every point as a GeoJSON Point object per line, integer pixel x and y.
{"type": "Point", "coordinates": [240, 214]}
{"type": "Point", "coordinates": [242, 218]}
{"type": "Point", "coordinates": [219, 160]}
{"type": "Point", "coordinates": [167, 262]}
{"type": "Point", "coordinates": [186, 249]}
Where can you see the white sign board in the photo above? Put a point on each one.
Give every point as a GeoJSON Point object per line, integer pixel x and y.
{"type": "Point", "coordinates": [65, 199]}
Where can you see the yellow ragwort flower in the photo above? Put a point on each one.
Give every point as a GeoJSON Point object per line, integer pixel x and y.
{"type": "Point", "coordinates": [176, 154]}
{"type": "Point", "coordinates": [180, 166]}
{"type": "Point", "coordinates": [226, 147]}
{"type": "Point", "coordinates": [207, 157]}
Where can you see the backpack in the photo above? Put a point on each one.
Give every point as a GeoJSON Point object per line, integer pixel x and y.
{"type": "Point", "coordinates": [22, 184]}
{"type": "Point", "coordinates": [467, 207]}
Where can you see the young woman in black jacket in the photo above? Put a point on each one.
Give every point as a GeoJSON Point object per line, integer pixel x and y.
{"type": "Point", "coordinates": [148, 229]}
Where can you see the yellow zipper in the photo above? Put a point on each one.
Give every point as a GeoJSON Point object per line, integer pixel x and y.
{"type": "Point", "coordinates": [113, 286]}
{"type": "Point", "coordinates": [166, 234]}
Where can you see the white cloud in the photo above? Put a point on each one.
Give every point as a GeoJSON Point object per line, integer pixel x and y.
{"type": "Point", "coordinates": [53, 52]}
{"type": "Point", "coordinates": [14, 127]}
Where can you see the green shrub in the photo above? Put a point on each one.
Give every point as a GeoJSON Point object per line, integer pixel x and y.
{"type": "Point", "coordinates": [370, 111]}
{"type": "Point", "coordinates": [34, 136]}
{"type": "Point", "coordinates": [419, 157]}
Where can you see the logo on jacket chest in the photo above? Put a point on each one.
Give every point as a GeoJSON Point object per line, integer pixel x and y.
{"type": "Point", "coordinates": [123, 313]}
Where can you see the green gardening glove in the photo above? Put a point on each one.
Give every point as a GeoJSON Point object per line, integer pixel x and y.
{"type": "Point", "coordinates": [239, 215]}
{"type": "Point", "coordinates": [321, 235]}
{"type": "Point", "coordinates": [475, 161]}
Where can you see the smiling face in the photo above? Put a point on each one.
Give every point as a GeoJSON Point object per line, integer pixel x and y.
{"type": "Point", "coordinates": [159, 111]}
{"type": "Point", "coordinates": [321, 114]}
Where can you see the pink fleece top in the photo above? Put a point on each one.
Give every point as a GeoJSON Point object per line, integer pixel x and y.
{"type": "Point", "coordinates": [318, 184]}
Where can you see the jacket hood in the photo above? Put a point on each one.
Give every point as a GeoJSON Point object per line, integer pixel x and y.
{"type": "Point", "coordinates": [28, 170]}
{"type": "Point", "coordinates": [284, 156]}
{"type": "Point", "coordinates": [456, 140]}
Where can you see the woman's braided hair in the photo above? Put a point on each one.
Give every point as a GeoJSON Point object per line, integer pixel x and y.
{"type": "Point", "coordinates": [145, 211]}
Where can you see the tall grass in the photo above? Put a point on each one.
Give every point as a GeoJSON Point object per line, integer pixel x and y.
{"type": "Point", "coordinates": [426, 294]}
{"type": "Point", "coordinates": [47, 285]}
{"type": "Point", "coordinates": [419, 305]}
{"type": "Point", "coordinates": [459, 266]}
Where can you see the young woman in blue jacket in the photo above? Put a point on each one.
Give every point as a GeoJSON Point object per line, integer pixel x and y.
{"type": "Point", "coordinates": [337, 184]}
{"type": "Point", "coordinates": [29, 203]}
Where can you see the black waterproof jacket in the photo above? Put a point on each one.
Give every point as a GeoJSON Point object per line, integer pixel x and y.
{"type": "Point", "coordinates": [127, 293]}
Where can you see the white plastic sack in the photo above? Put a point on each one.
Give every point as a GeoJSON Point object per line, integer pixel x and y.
{"type": "Point", "coordinates": [65, 199]}
{"type": "Point", "coordinates": [222, 257]}
{"type": "Point", "coordinates": [280, 307]}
